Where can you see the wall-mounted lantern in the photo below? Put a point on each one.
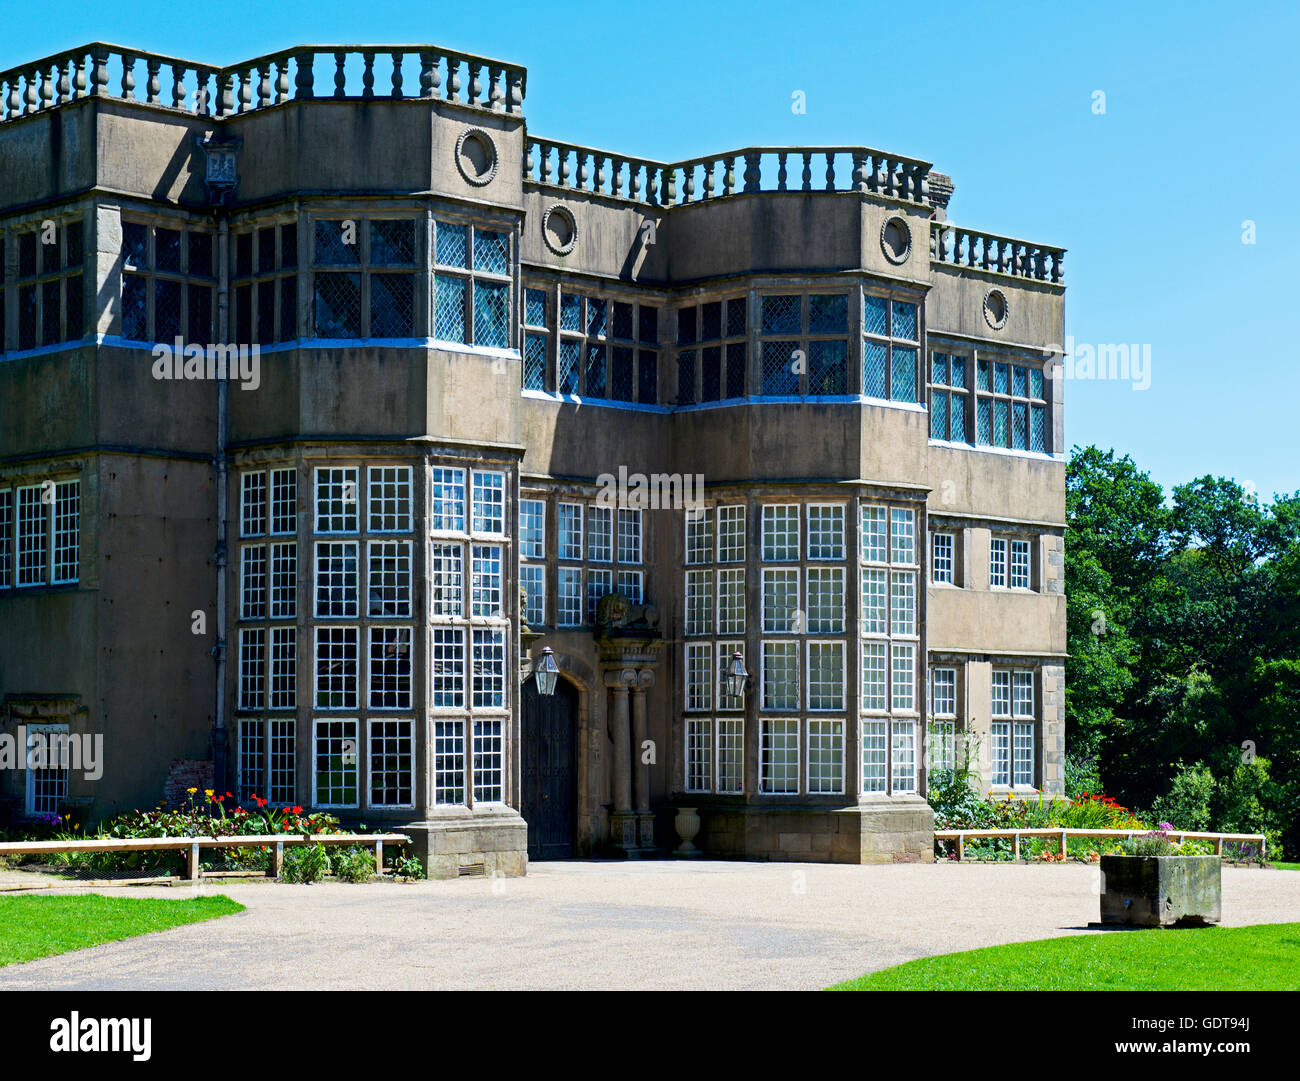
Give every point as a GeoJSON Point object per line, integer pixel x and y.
{"type": "Point", "coordinates": [545, 672]}
{"type": "Point", "coordinates": [736, 675]}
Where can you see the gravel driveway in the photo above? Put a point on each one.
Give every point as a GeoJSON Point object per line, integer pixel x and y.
{"type": "Point", "coordinates": [596, 925]}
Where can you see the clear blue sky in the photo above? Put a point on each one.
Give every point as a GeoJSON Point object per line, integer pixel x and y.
{"type": "Point", "coordinates": [1200, 133]}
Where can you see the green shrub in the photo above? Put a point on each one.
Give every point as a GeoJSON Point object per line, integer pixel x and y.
{"type": "Point", "coordinates": [354, 864]}
{"type": "Point", "coordinates": [1187, 803]}
{"type": "Point", "coordinates": [305, 863]}
{"type": "Point", "coordinates": [408, 868]}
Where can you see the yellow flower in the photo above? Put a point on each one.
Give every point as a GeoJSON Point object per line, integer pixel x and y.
{"type": "Point", "coordinates": [191, 791]}
{"type": "Point", "coordinates": [207, 792]}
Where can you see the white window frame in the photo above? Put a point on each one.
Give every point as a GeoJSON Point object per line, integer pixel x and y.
{"type": "Point", "coordinates": [62, 769]}
{"type": "Point", "coordinates": [324, 479]}
{"type": "Point", "coordinates": [317, 722]}
{"type": "Point", "coordinates": [378, 485]}
{"type": "Point", "coordinates": [731, 528]}
{"type": "Point", "coordinates": [943, 564]}
{"type": "Point", "coordinates": [837, 515]}
{"type": "Point", "coordinates": [835, 576]}
{"type": "Point", "coordinates": [371, 722]}
{"type": "Point", "coordinates": [831, 645]}
{"type": "Point", "coordinates": [787, 517]}
{"type": "Point", "coordinates": [768, 725]}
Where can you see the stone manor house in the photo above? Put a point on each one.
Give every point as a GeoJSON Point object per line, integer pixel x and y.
{"type": "Point", "coordinates": [323, 563]}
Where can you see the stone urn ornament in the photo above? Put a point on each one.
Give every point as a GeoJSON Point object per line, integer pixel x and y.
{"type": "Point", "coordinates": [687, 825]}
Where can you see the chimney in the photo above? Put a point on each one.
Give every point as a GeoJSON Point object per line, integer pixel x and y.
{"type": "Point", "coordinates": [941, 189]}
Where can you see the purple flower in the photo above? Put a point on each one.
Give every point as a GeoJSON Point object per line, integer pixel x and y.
{"type": "Point", "coordinates": [1165, 827]}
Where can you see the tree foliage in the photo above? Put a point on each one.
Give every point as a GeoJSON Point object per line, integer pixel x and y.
{"type": "Point", "coordinates": [1183, 618]}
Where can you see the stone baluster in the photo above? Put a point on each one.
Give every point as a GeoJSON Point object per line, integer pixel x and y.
{"type": "Point", "coordinates": [530, 162]}
{"type": "Point", "coordinates": [709, 167]}
{"type": "Point", "coordinates": [368, 73]}
{"type": "Point", "coordinates": [805, 177]}
{"type": "Point", "coordinates": [128, 76]}
{"type": "Point", "coordinates": [581, 156]}
{"type": "Point", "coordinates": [340, 76]}
{"type": "Point", "coordinates": [669, 185]}
{"type": "Point", "coordinates": [859, 171]}
{"type": "Point", "coordinates": [99, 73]}
{"type": "Point", "coordinates": [281, 79]}
{"type": "Point", "coordinates": [428, 73]}
{"type": "Point", "coordinates": [475, 84]}
{"type": "Point", "coordinates": [152, 88]}
{"type": "Point", "coordinates": [78, 77]}
{"type": "Point", "coordinates": [202, 96]}
{"type": "Point", "coordinates": [936, 248]}
{"type": "Point", "coordinates": [1058, 268]}
{"type": "Point", "coordinates": [651, 184]}
{"type": "Point", "coordinates": [1004, 255]}
{"type": "Point", "coordinates": [178, 86]}
{"type": "Point", "coordinates": [245, 89]}
{"type": "Point", "coordinates": [780, 170]}
{"type": "Point", "coordinates": [30, 95]}
{"type": "Point", "coordinates": [729, 176]}
{"type": "Point", "coordinates": [304, 78]}
{"type": "Point", "coordinates": [263, 84]}
{"type": "Point", "coordinates": [562, 158]}
{"type": "Point", "coordinates": [545, 152]}
{"type": "Point", "coordinates": [1018, 259]}
{"type": "Point", "coordinates": [753, 174]}
{"type": "Point", "coordinates": [225, 93]}
{"type": "Point", "coordinates": [397, 74]}
{"type": "Point", "coordinates": [830, 170]}
{"type": "Point", "coordinates": [688, 186]}
{"type": "Point", "coordinates": [11, 99]}
{"type": "Point", "coordinates": [515, 98]}
{"type": "Point", "coordinates": [47, 88]}
{"type": "Point", "coordinates": [453, 78]}
{"type": "Point", "coordinates": [634, 180]}
{"type": "Point", "coordinates": [640, 734]}
{"type": "Point", "coordinates": [600, 160]}
{"type": "Point", "coordinates": [496, 93]}
{"type": "Point", "coordinates": [63, 86]}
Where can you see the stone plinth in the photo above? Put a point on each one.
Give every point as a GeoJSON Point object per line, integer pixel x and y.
{"type": "Point", "coordinates": [487, 843]}
{"type": "Point", "coordinates": [892, 830]}
{"type": "Point", "coordinates": [1161, 891]}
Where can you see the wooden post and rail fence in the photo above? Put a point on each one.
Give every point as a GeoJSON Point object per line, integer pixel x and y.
{"type": "Point", "coordinates": [190, 847]}
{"type": "Point", "coordinates": [962, 836]}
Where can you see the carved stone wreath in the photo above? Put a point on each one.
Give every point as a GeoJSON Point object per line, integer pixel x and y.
{"type": "Point", "coordinates": [896, 239]}
{"type": "Point", "coordinates": [995, 308]}
{"type": "Point", "coordinates": [559, 229]}
{"type": "Point", "coordinates": [476, 156]}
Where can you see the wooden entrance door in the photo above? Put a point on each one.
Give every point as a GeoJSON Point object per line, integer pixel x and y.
{"type": "Point", "coordinates": [549, 770]}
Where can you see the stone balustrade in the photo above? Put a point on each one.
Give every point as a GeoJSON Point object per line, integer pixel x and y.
{"type": "Point", "coordinates": [1003, 255]}
{"type": "Point", "coordinates": [346, 71]}
{"type": "Point", "coordinates": [752, 169]}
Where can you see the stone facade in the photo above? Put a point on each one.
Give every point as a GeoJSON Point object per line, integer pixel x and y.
{"type": "Point", "coordinates": [772, 399]}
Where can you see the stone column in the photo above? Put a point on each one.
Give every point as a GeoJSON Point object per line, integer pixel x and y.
{"type": "Point", "coordinates": [640, 767]}
{"type": "Point", "coordinates": [623, 819]}
{"type": "Point", "coordinates": [619, 683]}
{"type": "Point", "coordinates": [640, 733]}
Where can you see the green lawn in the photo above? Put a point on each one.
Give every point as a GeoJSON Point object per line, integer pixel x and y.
{"type": "Point", "coordinates": [1286, 866]}
{"type": "Point", "coordinates": [32, 927]}
{"type": "Point", "coordinates": [1263, 958]}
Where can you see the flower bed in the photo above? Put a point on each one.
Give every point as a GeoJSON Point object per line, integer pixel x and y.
{"type": "Point", "coordinates": [206, 814]}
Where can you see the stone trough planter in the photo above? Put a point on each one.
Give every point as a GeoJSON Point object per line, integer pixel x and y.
{"type": "Point", "coordinates": [1161, 891]}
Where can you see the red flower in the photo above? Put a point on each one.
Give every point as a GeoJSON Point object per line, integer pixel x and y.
{"type": "Point", "coordinates": [297, 810]}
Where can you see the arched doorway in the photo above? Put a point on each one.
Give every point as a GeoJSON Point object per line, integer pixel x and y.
{"type": "Point", "coordinates": [549, 770]}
